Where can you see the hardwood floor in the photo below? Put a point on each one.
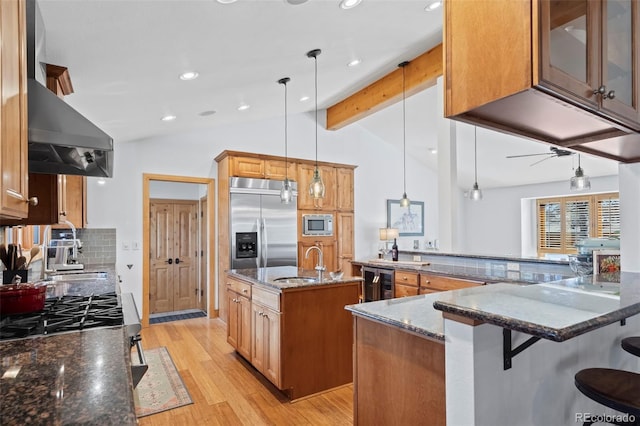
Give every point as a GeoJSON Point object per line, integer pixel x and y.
{"type": "Point", "coordinates": [227, 390]}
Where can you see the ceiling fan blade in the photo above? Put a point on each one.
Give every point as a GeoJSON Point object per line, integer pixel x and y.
{"type": "Point", "coordinates": [529, 155]}
{"type": "Point", "coordinates": [538, 162]}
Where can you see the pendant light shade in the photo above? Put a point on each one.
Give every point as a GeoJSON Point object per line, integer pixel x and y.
{"type": "Point", "coordinates": [286, 193]}
{"type": "Point", "coordinates": [316, 188]}
{"type": "Point", "coordinates": [580, 181]}
{"type": "Point", "coordinates": [476, 193]}
{"type": "Point", "coordinates": [404, 202]}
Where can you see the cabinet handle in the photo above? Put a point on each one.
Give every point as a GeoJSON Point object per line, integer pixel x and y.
{"type": "Point", "coordinates": [31, 201]}
{"type": "Point", "coordinates": [610, 95]}
{"type": "Point", "coordinates": [404, 278]}
{"type": "Point", "coordinates": [602, 91]}
{"type": "Point", "coordinates": [244, 290]}
{"type": "Point", "coordinates": [63, 213]}
{"type": "Point", "coordinates": [427, 282]}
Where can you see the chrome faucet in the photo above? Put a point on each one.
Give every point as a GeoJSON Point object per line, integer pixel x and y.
{"type": "Point", "coordinates": [76, 243]}
{"type": "Point", "coordinates": [45, 251]}
{"type": "Point", "coordinates": [320, 266]}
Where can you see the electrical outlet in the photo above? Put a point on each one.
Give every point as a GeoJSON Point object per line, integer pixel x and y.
{"type": "Point", "coordinates": [513, 266]}
{"type": "Point", "coordinates": [126, 245]}
{"type": "Point", "coordinates": [417, 258]}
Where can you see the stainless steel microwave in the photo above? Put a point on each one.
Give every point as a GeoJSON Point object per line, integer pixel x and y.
{"type": "Point", "coordinates": [317, 224]}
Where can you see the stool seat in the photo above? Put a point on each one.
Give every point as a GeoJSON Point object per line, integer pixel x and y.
{"type": "Point", "coordinates": [631, 345]}
{"type": "Point", "coordinates": [616, 389]}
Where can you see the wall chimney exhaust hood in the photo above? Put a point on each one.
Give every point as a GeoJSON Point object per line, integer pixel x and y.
{"type": "Point", "coordinates": [61, 140]}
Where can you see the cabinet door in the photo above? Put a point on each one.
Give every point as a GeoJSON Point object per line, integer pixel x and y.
{"type": "Point", "coordinates": [305, 176]}
{"type": "Point", "coordinates": [621, 58]}
{"type": "Point", "coordinates": [277, 170]}
{"type": "Point", "coordinates": [442, 283]}
{"type": "Point", "coordinates": [344, 178]}
{"type": "Point", "coordinates": [233, 318]}
{"type": "Point", "coordinates": [243, 340]}
{"type": "Point", "coordinates": [265, 344]}
{"type": "Point", "coordinates": [329, 257]}
{"type": "Point", "coordinates": [344, 231]}
{"type": "Point", "coordinates": [73, 199]}
{"type": "Point", "coordinates": [246, 167]}
{"type": "Point", "coordinates": [402, 290]}
{"type": "Point", "coordinates": [570, 35]}
{"type": "Point", "coordinates": [13, 111]}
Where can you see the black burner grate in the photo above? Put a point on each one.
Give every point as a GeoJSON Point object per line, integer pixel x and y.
{"type": "Point", "coordinates": [67, 313]}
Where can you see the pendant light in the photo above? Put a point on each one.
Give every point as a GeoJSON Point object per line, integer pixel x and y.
{"type": "Point", "coordinates": [404, 202]}
{"type": "Point", "coordinates": [476, 193]}
{"type": "Point", "coordinates": [579, 181]}
{"type": "Point", "coordinates": [286, 193]}
{"type": "Point", "coordinates": [316, 189]}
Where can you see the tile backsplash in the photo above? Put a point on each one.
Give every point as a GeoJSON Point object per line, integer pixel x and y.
{"type": "Point", "coordinates": [98, 245]}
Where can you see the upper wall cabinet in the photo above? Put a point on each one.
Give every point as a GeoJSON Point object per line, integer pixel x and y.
{"type": "Point", "coordinates": [14, 199]}
{"type": "Point", "coordinates": [565, 72]}
{"type": "Point", "coordinates": [253, 167]}
{"type": "Point", "coordinates": [305, 176]}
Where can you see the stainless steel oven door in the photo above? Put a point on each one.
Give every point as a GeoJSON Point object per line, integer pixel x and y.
{"type": "Point", "coordinates": [138, 370]}
{"type": "Point", "coordinates": [133, 327]}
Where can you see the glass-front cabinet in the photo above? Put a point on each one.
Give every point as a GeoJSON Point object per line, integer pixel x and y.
{"type": "Point", "coordinates": [587, 54]}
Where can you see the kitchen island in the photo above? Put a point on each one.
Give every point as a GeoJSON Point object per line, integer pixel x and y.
{"type": "Point", "coordinates": [292, 327]}
{"type": "Point", "coordinates": [575, 323]}
{"type": "Point", "coordinates": [70, 377]}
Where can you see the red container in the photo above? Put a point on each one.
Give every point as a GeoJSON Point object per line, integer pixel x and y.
{"type": "Point", "coordinates": [22, 298]}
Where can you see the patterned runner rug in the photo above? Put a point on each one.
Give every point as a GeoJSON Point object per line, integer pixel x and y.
{"type": "Point", "coordinates": [161, 388]}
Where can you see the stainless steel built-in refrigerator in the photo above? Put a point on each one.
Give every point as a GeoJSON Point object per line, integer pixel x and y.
{"type": "Point", "coordinates": [263, 230]}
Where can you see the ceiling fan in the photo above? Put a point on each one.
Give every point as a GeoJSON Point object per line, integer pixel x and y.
{"type": "Point", "coordinates": [555, 152]}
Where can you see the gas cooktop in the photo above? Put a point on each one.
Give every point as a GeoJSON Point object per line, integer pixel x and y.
{"type": "Point", "coordinates": [63, 314]}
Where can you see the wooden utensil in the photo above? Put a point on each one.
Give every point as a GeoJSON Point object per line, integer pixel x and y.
{"type": "Point", "coordinates": [33, 253]}
{"type": "Point", "coordinates": [3, 255]}
{"type": "Point", "coordinates": [21, 261]}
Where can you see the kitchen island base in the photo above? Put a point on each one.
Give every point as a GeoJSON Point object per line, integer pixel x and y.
{"type": "Point", "coordinates": [399, 377]}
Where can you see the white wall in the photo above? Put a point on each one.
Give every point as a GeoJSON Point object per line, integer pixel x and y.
{"type": "Point", "coordinates": [378, 177]}
{"type": "Point", "coordinates": [176, 190]}
{"type": "Point", "coordinates": [493, 226]}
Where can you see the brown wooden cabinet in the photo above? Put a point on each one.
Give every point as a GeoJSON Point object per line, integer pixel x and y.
{"type": "Point", "coordinates": [329, 257]}
{"type": "Point", "coordinates": [405, 283]}
{"type": "Point", "coordinates": [305, 176]}
{"type": "Point", "coordinates": [431, 283]}
{"type": "Point", "coordinates": [260, 168]}
{"type": "Point", "coordinates": [564, 72]}
{"type": "Point", "coordinates": [344, 232]}
{"type": "Point", "coordinates": [344, 197]}
{"type": "Point", "coordinates": [239, 324]}
{"type": "Point", "coordinates": [14, 191]}
{"type": "Point", "coordinates": [265, 334]}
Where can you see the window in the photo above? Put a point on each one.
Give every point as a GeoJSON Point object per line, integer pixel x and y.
{"type": "Point", "coordinates": [564, 221]}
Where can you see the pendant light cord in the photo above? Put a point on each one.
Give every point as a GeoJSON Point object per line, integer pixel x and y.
{"type": "Point", "coordinates": [404, 134]}
{"type": "Point", "coordinates": [286, 167]}
{"type": "Point", "coordinates": [475, 153]}
{"type": "Point", "coordinates": [315, 62]}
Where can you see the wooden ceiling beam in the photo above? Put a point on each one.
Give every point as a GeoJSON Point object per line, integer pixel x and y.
{"type": "Point", "coordinates": [421, 73]}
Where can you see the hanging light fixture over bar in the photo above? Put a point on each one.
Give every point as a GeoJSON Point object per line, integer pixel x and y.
{"type": "Point", "coordinates": [580, 181]}
{"type": "Point", "coordinates": [404, 202]}
{"type": "Point", "coordinates": [286, 193]}
{"type": "Point", "coordinates": [316, 188]}
{"type": "Point", "coordinates": [476, 193]}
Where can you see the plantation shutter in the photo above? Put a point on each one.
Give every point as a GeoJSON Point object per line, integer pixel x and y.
{"type": "Point", "coordinates": [608, 216]}
{"type": "Point", "coordinates": [549, 226]}
{"type": "Point", "coordinates": [577, 222]}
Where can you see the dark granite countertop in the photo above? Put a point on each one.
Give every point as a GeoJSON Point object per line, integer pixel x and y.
{"type": "Point", "coordinates": [70, 378]}
{"type": "Point", "coordinates": [477, 271]}
{"type": "Point", "coordinates": [555, 311]}
{"type": "Point", "coordinates": [267, 277]}
{"type": "Point", "coordinates": [83, 287]}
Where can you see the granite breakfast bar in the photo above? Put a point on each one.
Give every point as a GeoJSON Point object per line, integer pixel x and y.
{"type": "Point", "coordinates": [457, 364]}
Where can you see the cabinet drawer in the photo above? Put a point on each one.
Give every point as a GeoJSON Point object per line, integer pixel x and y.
{"type": "Point", "coordinates": [437, 282]}
{"type": "Point", "coordinates": [407, 278]}
{"type": "Point", "coordinates": [266, 298]}
{"type": "Point", "coordinates": [240, 287]}
{"type": "Point", "coordinates": [401, 290]}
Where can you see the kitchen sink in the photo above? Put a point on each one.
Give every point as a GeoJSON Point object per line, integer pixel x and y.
{"type": "Point", "coordinates": [78, 276]}
{"type": "Point", "coordinates": [296, 280]}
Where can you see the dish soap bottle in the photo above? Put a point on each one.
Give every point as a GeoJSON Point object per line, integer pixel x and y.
{"type": "Point", "coordinates": [394, 251]}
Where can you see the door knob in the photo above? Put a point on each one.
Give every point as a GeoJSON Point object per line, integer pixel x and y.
{"type": "Point", "coordinates": [170, 261]}
{"type": "Point", "coordinates": [177, 260]}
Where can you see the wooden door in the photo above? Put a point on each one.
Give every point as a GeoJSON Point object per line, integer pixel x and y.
{"type": "Point", "coordinates": [344, 230]}
{"type": "Point", "coordinates": [203, 253]}
{"type": "Point", "coordinates": [344, 179]}
{"type": "Point", "coordinates": [271, 327]}
{"type": "Point", "coordinates": [173, 250]}
{"type": "Point", "coordinates": [257, 336]}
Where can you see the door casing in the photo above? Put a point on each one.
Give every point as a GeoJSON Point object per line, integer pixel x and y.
{"type": "Point", "coordinates": [146, 179]}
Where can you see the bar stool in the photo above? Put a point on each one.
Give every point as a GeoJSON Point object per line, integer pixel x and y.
{"type": "Point", "coordinates": [616, 389]}
{"type": "Point", "coordinates": [631, 345]}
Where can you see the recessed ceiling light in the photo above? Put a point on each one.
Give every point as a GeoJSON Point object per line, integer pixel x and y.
{"type": "Point", "coordinates": [433, 150]}
{"type": "Point", "coordinates": [101, 181]}
{"type": "Point", "coordinates": [207, 113]}
{"type": "Point", "coordinates": [348, 4]}
{"type": "Point", "coordinates": [243, 107]}
{"type": "Point", "coordinates": [189, 75]}
{"type": "Point", "coordinates": [354, 63]}
{"type": "Point", "coordinates": [433, 5]}
{"type": "Point", "coordinates": [226, 1]}
{"type": "Point", "coordinates": [304, 98]}
{"type": "Point", "coordinates": [294, 2]}
{"type": "Point", "coordinates": [169, 117]}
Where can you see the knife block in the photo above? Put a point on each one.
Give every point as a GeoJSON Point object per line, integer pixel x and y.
{"type": "Point", "coordinates": [7, 275]}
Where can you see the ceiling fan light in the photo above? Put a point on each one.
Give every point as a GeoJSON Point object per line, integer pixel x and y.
{"type": "Point", "coordinates": [476, 193]}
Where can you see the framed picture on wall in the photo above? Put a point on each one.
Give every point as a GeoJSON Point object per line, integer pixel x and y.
{"type": "Point", "coordinates": [408, 220]}
{"type": "Point", "coordinates": [606, 261]}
